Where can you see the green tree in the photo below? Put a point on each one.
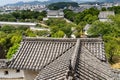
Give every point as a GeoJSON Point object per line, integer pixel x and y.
{"type": "Point", "coordinates": [110, 32]}
{"type": "Point", "coordinates": [30, 33]}
{"type": "Point", "coordinates": [104, 9]}
{"type": "Point", "coordinates": [16, 39]}
{"type": "Point", "coordinates": [12, 51]}
{"type": "Point", "coordinates": [59, 34]}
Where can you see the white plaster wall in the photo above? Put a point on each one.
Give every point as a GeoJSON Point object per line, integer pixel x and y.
{"type": "Point", "coordinates": [11, 73]}
{"type": "Point", "coordinates": [30, 75]}
{"type": "Point", "coordinates": [55, 16]}
{"type": "Point", "coordinates": [104, 20]}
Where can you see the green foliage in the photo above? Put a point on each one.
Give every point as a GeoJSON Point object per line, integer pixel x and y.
{"type": "Point", "coordinates": [59, 26]}
{"type": "Point", "coordinates": [88, 15]}
{"type": "Point", "coordinates": [42, 33]}
{"type": "Point", "coordinates": [12, 51]}
{"type": "Point", "coordinates": [62, 5]}
{"type": "Point", "coordinates": [30, 33]}
{"type": "Point", "coordinates": [79, 31]}
{"type": "Point", "coordinates": [23, 16]}
{"type": "Point", "coordinates": [103, 9]}
{"type": "Point", "coordinates": [40, 18]}
{"type": "Point", "coordinates": [112, 49]}
{"type": "Point", "coordinates": [16, 39]}
{"type": "Point", "coordinates": [2, 41]}
{"type": "Point", "coordinates": [100, 28]}
{"type": "Point", "coordinates": [69, 15]}
{"type": "Point", "coordinates": [111, 35]}
{"type": "Point", "coordinates": [9, 36]}
{"type": "Point", "coordinates": [7, 28]}
{"type": "Point", "coordinates": [115, 8]}
{"type": "Point", "coordinates": [59, 34]}
{"type": "Point", "coordinates": [7, 17]}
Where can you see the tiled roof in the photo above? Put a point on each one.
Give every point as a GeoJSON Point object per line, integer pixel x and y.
{"type": "Point", "coordinates": [58, 59]}
{"type": "Point", "coordinates": [96, 47]}
{"type": "Point", "coordinates": [105, 14]}
{"type": "Point", "coordinates": [35, 54]}
{"type": "Point", "coordinates": [55, 13]}
{"type": "Point", "coordinates": [90, 68]}
{"type": "Point", "coordinates": [58, 68]}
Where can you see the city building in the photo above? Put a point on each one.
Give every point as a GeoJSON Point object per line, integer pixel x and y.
{"type": "Point", "coordinates": [104, 15]}
{"type": "Point", "coordinates": [55, 14]}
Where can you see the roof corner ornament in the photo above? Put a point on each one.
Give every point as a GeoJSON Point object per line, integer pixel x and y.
{"type": "Point", "coordinates": [70, 74]}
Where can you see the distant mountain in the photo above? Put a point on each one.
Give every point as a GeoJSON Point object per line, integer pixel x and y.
{"type": "Point", "coordinates": [54, 1]}
{"type": "Point", "coordinates": [21, 3]}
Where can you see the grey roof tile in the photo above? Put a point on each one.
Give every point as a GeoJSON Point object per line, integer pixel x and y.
{"type": "Point", "coordinates": [34, 54]}
{"type": "Point", "coordinates": [92, 68]}
{"type": "Point", "coordinates": [105, 14]}
{"type": "Point", "coordinates": [57, 59]}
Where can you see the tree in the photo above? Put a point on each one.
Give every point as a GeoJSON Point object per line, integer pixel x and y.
{"type": "Point", "coordinates": [30, 33]}
{"type": "Point", "coordinates": [40, 18]}
{"type": "Point", "coordinates": [12, 51]}
{"type": "Point", "coordinates": [110, 32]}
{"type": "Point", "coordinates": [16, 39]}
{"type": "Point", "coordinates": [104, 9]}
{"type": "Point", "coordinates": [7, 29]}
{"type": "Point", "coordinates": [59, 34]}
{"type": "Point", "coordinates": [111, 49]}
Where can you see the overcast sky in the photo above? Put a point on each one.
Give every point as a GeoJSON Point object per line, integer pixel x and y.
{"type": "Point", "coordinates": [3, 2]}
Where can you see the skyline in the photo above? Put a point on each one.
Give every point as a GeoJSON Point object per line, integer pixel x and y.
{"type": "Point", "coordinates": [4, 2]}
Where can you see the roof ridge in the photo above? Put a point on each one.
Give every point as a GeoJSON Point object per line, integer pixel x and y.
{"type": "Point", "coordinates": [49, 39]}
{"type": "Point", "coordinates": [76, 51]}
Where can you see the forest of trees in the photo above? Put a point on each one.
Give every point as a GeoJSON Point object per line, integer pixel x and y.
{"type": "Point", "coordinates": [62, 5]}
{"type": "Point", "coordinates": [23, 16]}
{"type": "Point", "coordinates": [87, 16]}
{"type": "Point", "coordinates": [110, 32]}
{"type": "Point", "coordinates": [11, 36]}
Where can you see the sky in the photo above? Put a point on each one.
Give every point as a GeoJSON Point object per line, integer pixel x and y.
{"type": "Point", "coordinates": [3, 2]}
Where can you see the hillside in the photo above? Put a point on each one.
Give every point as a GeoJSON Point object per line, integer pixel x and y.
{"type": "Point", "coordinates": [61, 5]}
{"type": "Point", "coordinates": [21, 3]}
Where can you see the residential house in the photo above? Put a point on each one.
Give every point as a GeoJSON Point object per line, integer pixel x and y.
{"type": "Point", "coordinates": [104, 15]}
{"type": "Point", "coordinates": [63, 59]}
{"type": "Point", "coordinates": [55, 14]}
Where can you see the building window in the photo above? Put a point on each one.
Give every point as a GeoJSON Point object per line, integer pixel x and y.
{"type": "Point", "coordinates": [17, 70]}
{"type": "Point", "coordinates": [6, 72]}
